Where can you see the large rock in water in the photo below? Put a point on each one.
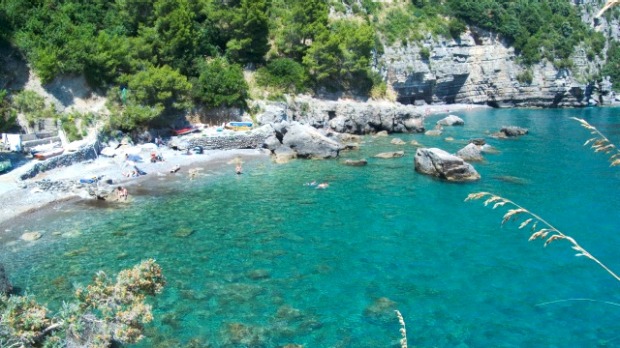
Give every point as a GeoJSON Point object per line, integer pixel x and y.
{"type": "Point", "coordinates": [5, 284]}
{"type": "Point", "coordinates": [308, 142]}
{"type": "Point", "coordinates": [451, 120]}
{"type": "Point", "coordinates": [439, 163]}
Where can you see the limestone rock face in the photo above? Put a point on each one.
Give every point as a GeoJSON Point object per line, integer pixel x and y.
{"type": "Point", "coordinates": [308, 142]}
{"type": "Point", "coordinates": [441, 164]}
{"type": "Point", "coordinates": [481, 68]}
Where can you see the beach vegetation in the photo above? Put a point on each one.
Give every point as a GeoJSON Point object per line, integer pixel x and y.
{"type": "Point", "coordinates": [108, 311]}
{"type": "Point", "coordinates": [8, 115]}
{"type": "Point", "coordinates": [32, 106]}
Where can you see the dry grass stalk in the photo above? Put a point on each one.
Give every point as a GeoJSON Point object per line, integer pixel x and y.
{"type": "Point", "coordinates": [600, 143]}
{"type": "Point", "coordinates": [403, 329]}
{"type": "Point", "coordinates": [548, 233]}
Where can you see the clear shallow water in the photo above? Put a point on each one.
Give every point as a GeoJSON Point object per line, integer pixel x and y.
{"type": "Point", "coordinates": [271, 261]}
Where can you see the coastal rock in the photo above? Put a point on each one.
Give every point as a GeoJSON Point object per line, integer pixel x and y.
{"type": "Point", "coordinates": [355, 163]}
{"type": "Point", "coordinates": [441, 164]}
{"type": "Point", "coordinates": [510, 132]}
{"type": "Point", "coordinates": [284, 154]}
{"type": "Point", "coordinates": [397, 141]}
{"type": "Point", "coordinates": [433, 132]}
{"type": "Point", "coordinates": [381, 134]}
{"type": "Point", "coordinates": [5, 285]}
{"type": "Point", "coordinates": [478, 141]}
{"type": "Point", "coordinates": [471, 152]}
{"type": "Point", "coordinates": [108, 152]}
{"type": "Point", "coordinates": [513, 131]}
{"type": "Point", "coordinates": [308, 142]}
{"type": "Point", "coordinates": [349, 116]}
{"type": "Point", "coordinates": [451, 120]}
{"type": "Point", "coordinates": [31, 236]}
{"type": "Point", "coordinates": [481, 67]}
{"type": "Point", "coordinates": [395, 154]}
{"type": "Point", "coordinates": [273, 113]}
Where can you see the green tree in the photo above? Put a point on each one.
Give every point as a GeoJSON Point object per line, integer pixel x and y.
{"type": "Point", "coordinates": [105, 312]}
{"type": "Point", "coordinates": [158, 86]}
{"type": "Point", "coordinates": [176, 29]}
{"type": "Point", "coordinates": [341, 56]}
{"type": "Point", "coordinates": [303, 24]}
{"type": "Point", "coordinates": [220, 83]}
{"type": "Point", "coordinates": [283, 73]}
{"type": "Point", "coordinates": [250, 32]}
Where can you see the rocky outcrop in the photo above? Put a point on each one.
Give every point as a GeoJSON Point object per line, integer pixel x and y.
{"type": "Point", "coordinates": [345, 116]}
{"type": "Point", "coordinates": [481, 68]}
{"type": "Point", "coordinates": [439, 163]}
{"type": "Point", "coordinates": [306, 141]}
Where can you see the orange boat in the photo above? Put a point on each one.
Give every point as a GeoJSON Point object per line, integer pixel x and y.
{"type": "Point", "coordinates": [48, 154]}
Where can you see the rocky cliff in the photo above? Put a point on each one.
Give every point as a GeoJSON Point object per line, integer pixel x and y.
{"type": "Point", "coordinates": [481, 68]}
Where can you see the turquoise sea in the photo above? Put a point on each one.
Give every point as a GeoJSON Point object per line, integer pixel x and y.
{"type": "Point", "coordinates": [271, 262]}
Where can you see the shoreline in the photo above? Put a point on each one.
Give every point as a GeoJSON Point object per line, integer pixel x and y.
{"type": "Point", "coordinates": [16, 201]}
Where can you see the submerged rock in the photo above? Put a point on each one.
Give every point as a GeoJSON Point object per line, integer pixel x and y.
{"type": "Point", "coordinates": [441, 164]}
{"type": "Point", "coordinates": [395, 154]}
{"type": "Point", "coordinates": [397, 141]}
{"type": "Point", "coordinates": [381, 309]}
{"type": "Point", "coordinates": [31, 236]}
{"type": "Point", "coordinates": [355, 163]}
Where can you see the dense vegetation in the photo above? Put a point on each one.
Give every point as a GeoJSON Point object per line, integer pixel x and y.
{"type": "Point", "coordinates": [156, 58]}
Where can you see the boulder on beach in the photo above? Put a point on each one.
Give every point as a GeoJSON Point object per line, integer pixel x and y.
{"type": "Point", "coordinates": [441, 164]}
{"type": "Point", "coordinates": [451, 120]}
{"type": "Point", "coordinates": [308, 142]}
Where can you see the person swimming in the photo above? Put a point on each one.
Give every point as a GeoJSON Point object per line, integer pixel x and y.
{"type": "Point", "coordinates": [322, 185]}
{"type": "Point", "coordinates": [238, 169]}
{"type": "Point", "coordinates": [311, 183]}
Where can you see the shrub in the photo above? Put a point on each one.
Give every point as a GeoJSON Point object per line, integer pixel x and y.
{"type": "Point", "coordinates": [220, 84]}
{"type": "Point", "coordinates": [525, 77]}
{"type": "Point", "coordinates": [283, 73]}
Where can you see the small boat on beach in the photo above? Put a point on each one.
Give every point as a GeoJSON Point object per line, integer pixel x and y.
{"type": "Point", "coordinates": [184, 131]}
{"type": "Point", "coordinates": [48, 154]}
{"type": "Point", "coordinates": [238, 126]}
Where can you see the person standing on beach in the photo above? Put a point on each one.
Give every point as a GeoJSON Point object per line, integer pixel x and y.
{"type": "Point", "coordinates": [121, 193]}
